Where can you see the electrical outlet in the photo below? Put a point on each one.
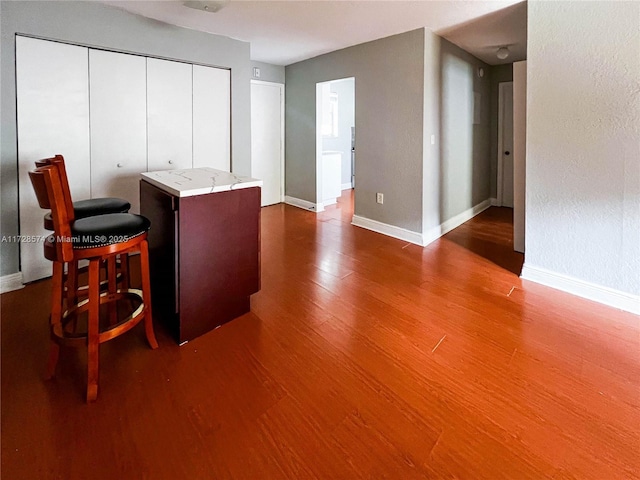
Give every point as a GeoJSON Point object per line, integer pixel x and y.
{"type": "Point", "coordinates": [379, 198]}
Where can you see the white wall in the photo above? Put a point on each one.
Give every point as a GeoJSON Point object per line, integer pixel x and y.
{"type": "Point", "coordinates": [519, 152]}
{"type": "Point", "coordinates": [583, 143]}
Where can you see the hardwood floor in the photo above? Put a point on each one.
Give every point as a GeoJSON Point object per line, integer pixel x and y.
{"type": "Point", "coordinates": [363, 357]}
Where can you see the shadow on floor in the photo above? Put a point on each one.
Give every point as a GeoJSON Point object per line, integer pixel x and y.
{"type": "Point", "coordinates": [490, 235]}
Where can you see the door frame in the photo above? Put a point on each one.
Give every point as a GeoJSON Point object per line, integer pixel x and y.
{"type": "Point", "coordinates": [318, 134]}
{"type": "Point", "coordinates": [319, 200]}
{"type": "Point", "coordinates": [500, 173]}
{"type": "Point", "coordinates": [282, 112]}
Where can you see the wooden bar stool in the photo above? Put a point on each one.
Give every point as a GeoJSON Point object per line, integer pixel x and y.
{"type": "Point", "coordinates": [97, 239]}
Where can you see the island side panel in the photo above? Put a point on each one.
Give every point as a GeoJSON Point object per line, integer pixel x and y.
{"type": "Point", "coordinates": [219, 245]}
{"type": "Point", "coordinates": [161, 210]}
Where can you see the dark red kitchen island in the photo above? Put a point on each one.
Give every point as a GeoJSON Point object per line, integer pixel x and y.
{"type": "Point", "coordinates": [204, 247]}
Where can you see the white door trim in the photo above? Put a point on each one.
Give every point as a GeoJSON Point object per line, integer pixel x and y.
{"type": "Point", "coordinates": [281, 87]}
{"type": "Point", "coordinates": [320, 205]}
{"type": "Point", "coordinates": [519, 154]}
{"type": "Point", "coordinates": [501, 86]}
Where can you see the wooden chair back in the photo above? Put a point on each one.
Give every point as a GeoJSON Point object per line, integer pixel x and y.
{"type": "Point", "coordinates": [58, 162]}
{"type": "Point", "coordinates": [49, 190]}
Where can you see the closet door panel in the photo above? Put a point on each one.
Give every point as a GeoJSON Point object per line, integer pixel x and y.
{"type": "Point", "coordinates": [52, 90]}
{"type": "Point", "coordinates": [118, 125]}
{"type": "Point", "coordinates": [169, 115]}
{"type": "Point", "coordinates": [211, 118]}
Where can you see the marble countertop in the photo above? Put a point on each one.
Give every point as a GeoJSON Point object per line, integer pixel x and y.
{"type": "Point", "coordinates": [198, 181]}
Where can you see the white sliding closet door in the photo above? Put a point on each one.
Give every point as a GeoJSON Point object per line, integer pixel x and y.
{"type": "Point", "coordinates": [211, 118]}
{"type": "Point", "coordinates": [52, 89]}
{"type": "Point", "coordinates": [169, 115]}
{"type": "Point", "coordinates": [118, 125]}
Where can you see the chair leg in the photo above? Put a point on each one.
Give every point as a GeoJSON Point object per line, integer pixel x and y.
{"type": "Point", "coordinates": [112, 274]}
{"type": "Point", "coordinates": [56, 317]}
{"type": "Point", "coordinates": [72, 289]}
{"type": "Point", "coordinates": [124, 270]}
{"type": "Point", "coordinates": [146, 294]}
{"type": "Point", "coordinates": [93, 330]}
{"type": "Point", "coordinates": [72, 282]}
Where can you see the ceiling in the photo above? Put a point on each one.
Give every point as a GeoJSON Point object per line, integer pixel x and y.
{"type": "Point", "coordinates": [286, 32]}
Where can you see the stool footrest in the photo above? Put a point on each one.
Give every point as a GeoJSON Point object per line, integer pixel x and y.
{"type": "Point", "coordinates": [61, 335]}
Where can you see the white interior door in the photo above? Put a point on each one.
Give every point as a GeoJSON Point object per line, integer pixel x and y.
{"type": "Point", "coordinates": [118, 125]}
{"type": "Point", "coordinates": [505, 144]}
{"type": "Point", "coordinates": [169, 115]}
{"type": "Point", "coordinates": [52, 89]}
{"type": "Point", "coordinates": [211, 118]}
{"type": "Point", "coordinates": [267, 139]}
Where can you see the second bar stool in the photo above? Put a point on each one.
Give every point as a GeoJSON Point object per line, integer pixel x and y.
{"type": "Point", "coordinates": [83, 209]}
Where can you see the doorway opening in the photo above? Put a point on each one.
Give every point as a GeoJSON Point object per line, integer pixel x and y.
{"type": "Point", "coordinates": [335, 143]}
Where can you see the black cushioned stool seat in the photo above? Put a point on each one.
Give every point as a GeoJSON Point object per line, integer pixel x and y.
{"type": "Point", "coordinates": [93, 207]}
{"type": "Point", "coordinates": [103, 230]}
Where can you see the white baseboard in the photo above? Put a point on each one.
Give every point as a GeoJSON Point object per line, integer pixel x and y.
{"type": "Point", "coordinates": [8, 283]}
{"type": "Point", "coordinates": [494, 202]}
{"type": "Point", "coordinates": [435, 233]}
{"type": "Point", "coordinates": [386, 229]}
{"type": "Point", "coordinates": [591, 291]}
{"type": "Point", "coordinates": [347, 186]}
{"type": "Point", "coordinates": [304, 204]}
{"type": "Point", "coordinates": [427, 237]}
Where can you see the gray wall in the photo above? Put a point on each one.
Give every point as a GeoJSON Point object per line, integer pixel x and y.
{"type": "Point", "coordinates": [457, 168]}
{"type": "Point", "coordinates": [93, 24]}
{"type": "Point", "coordinates": [389, 96]}
{"type": "Point", "coordinates": [497, 74]}
{"type": "Point", "coordinates": [583, 143]}
{"type": "Point", "coordinates": [408, 87]}
{"type": "Point", "coordinates": [268, 72]}
{"type": "Point", "coordinates": [465, 146]}
{"type": "Point", "coordinates": [346, 119]}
